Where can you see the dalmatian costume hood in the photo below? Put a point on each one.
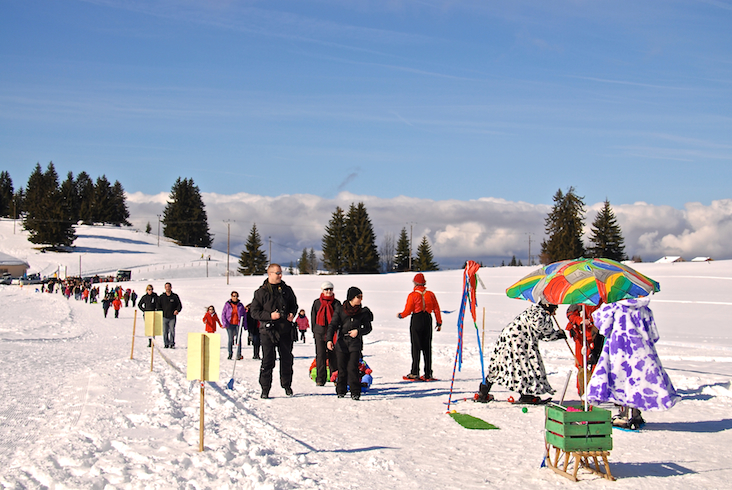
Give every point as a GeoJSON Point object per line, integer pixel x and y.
{"type": "Point", "coordinates": [629, 371]}
{"type": "Point", "coordinates": [516, 363]}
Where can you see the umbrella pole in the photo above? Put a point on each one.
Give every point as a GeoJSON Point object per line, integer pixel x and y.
{"type": "Point", "coordinates": [584, 355]}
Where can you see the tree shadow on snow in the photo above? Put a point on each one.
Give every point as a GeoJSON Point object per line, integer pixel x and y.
{"type": "Point", "coordinates": [701, 426]}
{"type": "Point", "coordinates": [93, 250]}
{"type": "Point", "coordinates": [642, 470]}
{"type": "Point", "coordinates": [113, 239]}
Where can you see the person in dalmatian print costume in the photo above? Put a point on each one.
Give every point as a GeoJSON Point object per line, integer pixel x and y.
{"type": "Point", "coordinates": [516, 363]}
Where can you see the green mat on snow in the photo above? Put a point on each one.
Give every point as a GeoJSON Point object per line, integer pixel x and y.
{"type": "Point", "coordinates": [470, 422]}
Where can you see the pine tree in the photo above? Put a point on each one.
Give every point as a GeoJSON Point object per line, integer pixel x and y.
{"type": "Point", "coordinates": [148, 228]}
{"type": "Point", "coordinates": [253, 260]}
{"type": "Point", "coordinates": [102, 208]}
{"type": "Point", "coordinates": [606, 237]}
{"type": "Point", "coordinates": [184, 218]}
{"type": "Point", "coordinates": [6, 194]}
{"type": "Point", "coordinates": [334, 243]}
{"type": "Point", "coordinates": [304, 264]}
{"type": "Point", "coordinates": [425, 261]}
{"type": "Point", "coordinates": [513, 262]}
{"type": "Point", "coordinates": [47, 219]}
{"type": "Point", "coordinates": [402, 256]}
{"type": "Point", "coordinates": [563, 225]}
{"type": "Point", "coordinates": [313, 262]}
{"type": "Point", "coordinates": [85, 194]}
{"type": "Point", "coordinates": [118, 206]}
{"type": "Point", "coordinates": [361, 254]}
{"type": "Point", "coordinates": [69, 196]}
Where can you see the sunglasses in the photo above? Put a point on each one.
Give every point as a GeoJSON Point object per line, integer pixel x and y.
{"type": "Point", "coordinates": [328, 289]}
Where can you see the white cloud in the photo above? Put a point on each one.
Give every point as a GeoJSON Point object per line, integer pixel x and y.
{"type": "Point", "coordinates": [485, 229]}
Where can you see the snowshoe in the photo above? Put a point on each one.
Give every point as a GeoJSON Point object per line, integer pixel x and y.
{"type": "Point", "coordinates": [411, 377]}
{"type": "Point", "coordinates": [532, 400]}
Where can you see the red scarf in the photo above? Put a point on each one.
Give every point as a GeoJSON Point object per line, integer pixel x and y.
{"type": "Point", "coordinates": [325, 313]}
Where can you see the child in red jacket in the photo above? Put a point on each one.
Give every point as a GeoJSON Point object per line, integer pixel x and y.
{"type": "Point", "coordinates": [116, 304]}
{"type": "Point", "coordinates": [210, 319]}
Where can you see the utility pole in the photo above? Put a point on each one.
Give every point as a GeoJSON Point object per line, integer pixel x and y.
{"type": "Point", "coordinates": [270, 249]}
{"type": "Point", "coordinates": [228, 241]}
{"type": "Point", "coordinates": [529, 247]}
{"type": "Point", "coordinates": [15, 214]}
{"type": "Point", "coordinates": [158, 230]}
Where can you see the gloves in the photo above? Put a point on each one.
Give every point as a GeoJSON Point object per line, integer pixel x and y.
{"type": "Point", "coordinates": [562, 334]}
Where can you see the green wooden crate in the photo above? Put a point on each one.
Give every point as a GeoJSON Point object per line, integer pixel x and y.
{"type": "Point", "coordinates": [579, 431]}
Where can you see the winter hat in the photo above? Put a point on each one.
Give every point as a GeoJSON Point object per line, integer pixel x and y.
{"type": "Point", "coordinates": [326, 285]}
{"type": "Point", "coordinates": [419, 279]}
{"type": "Point", "coordinates": [352, 293]}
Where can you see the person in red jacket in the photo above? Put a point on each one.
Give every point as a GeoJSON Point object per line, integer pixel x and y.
{"type": "Point", "coordinates": [210, 319]}
{"type": "Point", "coordinates": [421, 304]}
{"type": "Point", "coordinates": [594, 340]}
{"type": "Point", "coordinates": [116, 304]}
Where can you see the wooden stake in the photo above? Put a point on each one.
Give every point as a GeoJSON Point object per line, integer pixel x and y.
{"type": "Point", "coordinates": [134, 325]}
{"type": "Point", "coordinates": [152, 352]}
{"type": "Point", "coordinates": [203, 376]}
{"type": "Point", "coordinates": [482, 346]}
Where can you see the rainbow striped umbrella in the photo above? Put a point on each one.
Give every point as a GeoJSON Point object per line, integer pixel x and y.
{"type": "Point", "coordinates": [584, 281]}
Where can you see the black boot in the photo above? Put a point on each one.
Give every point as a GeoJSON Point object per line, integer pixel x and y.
{"type": "Point", "coordinates": [484, 395]}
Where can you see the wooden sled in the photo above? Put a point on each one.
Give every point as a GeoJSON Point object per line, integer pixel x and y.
{"type": "Point", "coordinates": [580, 438]}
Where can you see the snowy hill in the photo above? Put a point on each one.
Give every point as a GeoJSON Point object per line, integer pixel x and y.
{"type": "Point", "coordinates": [77, 412]}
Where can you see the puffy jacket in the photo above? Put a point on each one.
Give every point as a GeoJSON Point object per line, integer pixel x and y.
{"type": "Point", "coordinates": [270, 298]}
{"type": "Point", "coordinates": [342, 324]}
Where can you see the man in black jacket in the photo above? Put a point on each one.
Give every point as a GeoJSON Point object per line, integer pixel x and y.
{"type": "Point", "coordinates": [275, 306]}
{"type": "Point", "coordinates": [170, 305]}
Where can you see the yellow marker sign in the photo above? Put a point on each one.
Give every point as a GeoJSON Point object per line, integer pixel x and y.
{"type": "Point", "coordinates": [153, 323]}
{"type": "Point", "coordinates": [210, 358]}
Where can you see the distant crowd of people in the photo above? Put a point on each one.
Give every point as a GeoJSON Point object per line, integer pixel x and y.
{"type": "Point", "coordinates": [83, 290]}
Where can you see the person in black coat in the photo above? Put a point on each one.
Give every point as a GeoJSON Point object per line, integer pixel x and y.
{"type": "Point", "coordinates": [253, 329]}
{"type": "Point", "coordinates": [275, 306]}
{"type": "Point", "coordinates": [320, 316]}
{"type": "Point", "coordinates": [351, 321]}
{"type": "Point", "coordinates": [170, 305]}
{"type": "Point", "coordinates": [149, 302]}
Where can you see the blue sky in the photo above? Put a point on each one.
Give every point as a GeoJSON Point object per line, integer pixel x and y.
{"type": "Point", "coordinates": [429, 99]}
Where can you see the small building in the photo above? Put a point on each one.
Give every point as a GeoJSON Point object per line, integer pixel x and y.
{"type": "Point", "coordinates": [11, 265]}
{"type": "Point", "coordinates": [701, 259]}
{"type": "Point", "coordinates": [669, 259]}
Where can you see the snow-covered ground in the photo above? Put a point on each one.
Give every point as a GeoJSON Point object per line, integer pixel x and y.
{"type": "Point", "coordinates": [77, 412]}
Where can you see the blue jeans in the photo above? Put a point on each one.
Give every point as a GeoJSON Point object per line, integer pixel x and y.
{"type": "Point", "coordinates": [233, 331]}
{"type": "Point", "coordinates": [169, 332]}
